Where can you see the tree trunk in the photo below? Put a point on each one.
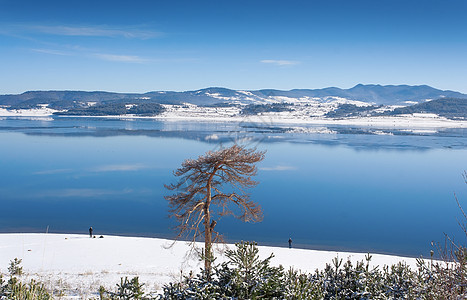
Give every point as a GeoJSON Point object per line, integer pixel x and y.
{"type": "Point", "coordinates": [207, 234]}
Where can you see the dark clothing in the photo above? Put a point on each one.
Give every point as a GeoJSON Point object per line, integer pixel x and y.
{"type": "Point", "coordinates": [90, 232]}
{"type": "Point", "coordinates": [290, 243]}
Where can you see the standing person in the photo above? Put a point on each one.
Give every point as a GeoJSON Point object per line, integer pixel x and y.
{"type": "Point", "coordinates": [290, 242]}
{"type": "Point", "coordinates": [90, 232]}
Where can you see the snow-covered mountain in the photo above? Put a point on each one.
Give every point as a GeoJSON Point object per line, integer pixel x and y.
{"type": "Point", "coordinates": [372, 94]}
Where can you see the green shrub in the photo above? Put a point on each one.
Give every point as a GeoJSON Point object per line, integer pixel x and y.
{"type": "Point", "coordinates": [245, 276]}
{"type": "Point", "coordinates": [14, 288]}
{"type": "Point", "coordinates": [15, 267]}
{"type": "Point", "coordinates": [127, 289]}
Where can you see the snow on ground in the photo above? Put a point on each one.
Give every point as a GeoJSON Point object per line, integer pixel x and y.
{"type": "Point", "coordinates": [43, 111]}
{"type": "Point", "coordinates": [78, 265]}
{"type": "Point", "coordinates": [312, 114]}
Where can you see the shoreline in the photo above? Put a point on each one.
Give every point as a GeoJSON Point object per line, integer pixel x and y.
{"type": "Point", "coordinates": [300, 246]}
{"type": "Point", "coordinates": [413, 121]}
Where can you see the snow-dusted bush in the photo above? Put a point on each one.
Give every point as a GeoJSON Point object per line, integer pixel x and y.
{"type": "Point", "coordinates": [246, 276]}
{"type": "Point", "coordinates": [14, 288]}
{"type": "Point", "coordinates": [127, 289]}
{"type": "Point", "coordinates": [243, 276]}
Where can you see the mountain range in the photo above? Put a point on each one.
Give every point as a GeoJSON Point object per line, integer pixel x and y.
{"type": "Point", "coordinates": [374, 94]}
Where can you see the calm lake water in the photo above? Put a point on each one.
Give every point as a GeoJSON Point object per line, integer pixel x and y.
{"type": "Point", "coordinates": [350, 189]}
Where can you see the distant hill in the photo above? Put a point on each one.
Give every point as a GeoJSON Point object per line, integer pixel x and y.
{"type": "Point", "coordinates": [377, 94]}
{"type": "Point", "coordinates": [451, 108]}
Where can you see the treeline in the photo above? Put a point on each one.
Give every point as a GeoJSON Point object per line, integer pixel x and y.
{"type": "Point", "coordinates": [351, 110]}
{"type": "Point", "coordinates": [54, 104]}
{"type": "Point", "coordinates": [254, 109]}
{"type": "Point", "coordinates": [116, 109]}
{"type": "Point", "coordinates": [146, 109]}
{"type": "Point", "coordinates": [453, 108]}
{"type": "Point", "coordinates": [221, 104]}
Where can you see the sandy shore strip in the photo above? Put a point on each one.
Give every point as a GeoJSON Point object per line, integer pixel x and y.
{"type": "Point", "coordinates": [78, 264]}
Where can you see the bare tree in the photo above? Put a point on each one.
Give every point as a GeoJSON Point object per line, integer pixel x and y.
{"type": "Point", "coordinates": [217, 178]}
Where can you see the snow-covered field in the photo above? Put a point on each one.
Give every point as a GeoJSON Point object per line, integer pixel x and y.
{"type": "Point", "coordinates": [37, 112]}
{"type": "Point", "coordinates": [78, 265]}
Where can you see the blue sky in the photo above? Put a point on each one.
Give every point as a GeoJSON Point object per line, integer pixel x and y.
{"type": "Point", "coordinates": [140, 46]}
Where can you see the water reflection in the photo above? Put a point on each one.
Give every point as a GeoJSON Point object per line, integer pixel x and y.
{"type": "Point", "coordinates": [327, 187]}
{"type": "Point", "coordinates": [361, 138]}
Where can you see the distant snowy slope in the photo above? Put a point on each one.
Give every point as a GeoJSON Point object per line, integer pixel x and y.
{"type": "Point", "coordinates": [378, 94]}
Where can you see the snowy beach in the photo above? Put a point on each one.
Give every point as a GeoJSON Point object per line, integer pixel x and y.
{"type": "Point", "coordinates": [78, 265]}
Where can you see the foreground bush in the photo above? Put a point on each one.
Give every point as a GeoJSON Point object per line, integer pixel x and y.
{"type": "Point", "coordinates": [246, 276]}
{"type": "Point", "coordinates": [14, 288]}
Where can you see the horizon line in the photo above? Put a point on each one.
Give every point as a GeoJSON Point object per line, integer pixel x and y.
{"type": "Point", "coordinates": [232, 89]}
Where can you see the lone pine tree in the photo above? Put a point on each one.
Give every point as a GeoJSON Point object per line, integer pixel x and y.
{"type": "Point", "coordinates": [217, 179]}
